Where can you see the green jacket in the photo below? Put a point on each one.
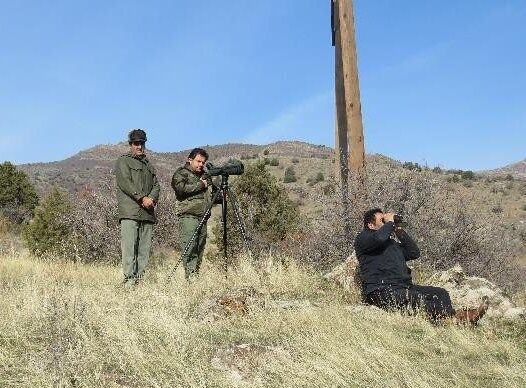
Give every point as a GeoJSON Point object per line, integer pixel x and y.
{"type": "Point", "coordinates": [136, 178]}
{"type": "Point", "coordinates": [192, 196]}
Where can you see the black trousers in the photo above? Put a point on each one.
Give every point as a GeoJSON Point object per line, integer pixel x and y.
{"type": "Point", "coordinates": [435, 301]}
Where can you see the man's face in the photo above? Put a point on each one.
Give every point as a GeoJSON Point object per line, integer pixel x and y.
{"type": "Point", "coordinates": [137, 148]}
{"type": "Point", "coordinates": [378, 221]}
{"type": "Point", "coordinates": [197, 164]}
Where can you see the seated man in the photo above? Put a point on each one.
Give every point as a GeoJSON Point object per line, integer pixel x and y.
{"type": "Point", "coordinates": [382, 249]}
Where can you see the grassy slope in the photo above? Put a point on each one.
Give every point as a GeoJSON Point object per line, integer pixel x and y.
{"type": "Point", "coordinates": [73, 325]}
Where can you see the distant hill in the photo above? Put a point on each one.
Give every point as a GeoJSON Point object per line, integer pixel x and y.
{"type": "Point", "coordinates": [94, 165]}
{"type": "Point", "coordinates": [516, 170]}
{"type": "Point", "coordinates": [314, 166]}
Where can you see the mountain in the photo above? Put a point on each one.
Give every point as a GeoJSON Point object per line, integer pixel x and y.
{"type": "Point", "coordinates": [516, 170]}
{"type": "Point", "coordinates": [93, 166]}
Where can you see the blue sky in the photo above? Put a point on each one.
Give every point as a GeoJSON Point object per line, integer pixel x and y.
{"type": "Point", "coordinates": [442, 83]}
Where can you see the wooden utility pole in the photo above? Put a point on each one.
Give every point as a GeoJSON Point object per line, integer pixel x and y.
{"type": "Point", "coordinates": [349, 126]}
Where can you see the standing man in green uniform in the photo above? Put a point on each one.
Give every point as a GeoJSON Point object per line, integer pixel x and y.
{"type": "Point", "coordinates": [137, 195]}
{"type": "Point", "coordinates": [194, 191]}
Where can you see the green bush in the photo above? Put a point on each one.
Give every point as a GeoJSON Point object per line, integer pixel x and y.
{"type": "Point", "coordinates": [290, 175]}
{"type": "Point", "coordinates": [50, 226]}
{"type": "Point", "coordinates": [270, 215]}
{"type": "Point", "coordinates": [274, 162]}
{"type": "Point", "coordinates": [18, 197]}
{"type": "Point", "coordinates": [266, 152]}
{"type": "Point", "coordinates": [316, 178]}
{"type": "Point", "coordinates": [469, 175]}
{"type": "Point", "coordinates": [412, 166]}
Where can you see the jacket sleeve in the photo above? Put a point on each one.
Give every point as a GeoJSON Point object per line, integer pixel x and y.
{"type": "Point", "coordinates": [183, 188]}
{"type": "Point", "coordinates": [369, 242]}
{"type": "Point", "coordinates": [124, 180]}
{"type": "Point", "coordinates": [411, 250]}
{"type": "Point", "coordinates": [156, 189]}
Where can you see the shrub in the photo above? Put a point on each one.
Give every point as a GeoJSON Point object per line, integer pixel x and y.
{"type": "Point", "coordinates": [290, 175]}
{"type": "Point", "coordinates": [497, 209]}
{"type": "Point", "coordinates": [295, 160]}
{"type": "Point", "coordinates": [469, 175]}
{"type": "Point", "coordinates": [412, 166]}
{"type": "Point", "coordinates": [50, 226]}
{"type": "Point", "coordinates": [274, 162]}
{"type": "Point", "coordinates": [315, 179]}
{"type": "Point", "coordinates": [94, 233]}
{"type": "Point", "coordinates": [266, 152]}
{"type": "Point", "coordinates": [18, 197]}
{"type": "Point", "coordinates": [269, 214]}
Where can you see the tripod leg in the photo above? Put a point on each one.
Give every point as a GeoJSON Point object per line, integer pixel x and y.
{"type": "Point", "coordinates": [240, 223]}
{"type": "Point", "coordinates": [224, 219]}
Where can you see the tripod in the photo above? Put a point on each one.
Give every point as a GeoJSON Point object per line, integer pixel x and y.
{"type": "Point", "coordinates": [227, 194]}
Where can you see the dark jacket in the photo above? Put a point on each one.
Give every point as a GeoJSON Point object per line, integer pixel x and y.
{"type": "Point", "coordinates": [382, 260]}
{"type": "Point", "coordinates": [136, 178]}
{"type": "Point", "coordinates": [193, 198]}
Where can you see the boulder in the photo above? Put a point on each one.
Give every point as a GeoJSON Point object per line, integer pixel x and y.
{"type": "Point", "coordinates": [468, 291]}
{"type": "Point", "coordinates": [240, 361]}
{"type": "Point", "coordinates": [346, 275]}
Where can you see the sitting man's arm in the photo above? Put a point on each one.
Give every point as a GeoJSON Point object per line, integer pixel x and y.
{"type": "Point", "coordinates": [411, 250]}
{"type": "Point", "coordinates": [369, 242]}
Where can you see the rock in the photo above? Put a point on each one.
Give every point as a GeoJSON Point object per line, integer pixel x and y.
{"type": "Point", "coordinates": [468, 291]}
{"type": "Point", "coordinates": [239, 361]}
{"type": "Point", "coordinates": [235, 302]}
{"type": "Point", "coordinates": [345, 275]}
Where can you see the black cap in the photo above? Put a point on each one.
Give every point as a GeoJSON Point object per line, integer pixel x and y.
{"type": "Point", "coordinates": [136, 135]}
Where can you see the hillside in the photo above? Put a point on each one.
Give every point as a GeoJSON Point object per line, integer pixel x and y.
{"type": "Point", "coordinates": [516, 170]}
{"type": "Point", "coordinates": [72, 325]}
{"type": "Point", "coordinates": [93, 168]}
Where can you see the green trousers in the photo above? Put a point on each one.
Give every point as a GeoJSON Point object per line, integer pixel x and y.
{"type": "Point", "coordinates": [192, 260]}
{"type": "Point", "coordinates": [136, 244]}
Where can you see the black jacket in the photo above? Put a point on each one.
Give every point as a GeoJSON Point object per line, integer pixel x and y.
{"type": "Point", "coordinates": [382, 259]}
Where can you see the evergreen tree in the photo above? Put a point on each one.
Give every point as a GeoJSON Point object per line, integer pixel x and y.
{"type": "Point", "coordinates": [18, 197]}
{"type": "Point", "coordinates": [269, 213]}
{"type": "Point", "coordinates": [50, 226]}
{"type": "Point", "coordinates": [290, 175]}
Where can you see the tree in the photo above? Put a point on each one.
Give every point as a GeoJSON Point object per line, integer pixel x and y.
{"type": "Point", "coordinates": [50, 226]}
{"type": "Point", "coordinates": [18, 197]}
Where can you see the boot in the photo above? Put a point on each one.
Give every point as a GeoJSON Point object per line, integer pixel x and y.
{"type": "Point", "coordinates": [472, 316]}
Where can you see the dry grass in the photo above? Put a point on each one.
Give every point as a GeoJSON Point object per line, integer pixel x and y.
{"type": "Point", "coordinates": [65, 324]}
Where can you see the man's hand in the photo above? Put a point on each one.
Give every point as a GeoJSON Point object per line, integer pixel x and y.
{"type": "Point", "coordinates": [205, 182]}
{"type": "Point", "coordinates": [389, 217]}
{"type": "Point", "coordinates": [147, 202]}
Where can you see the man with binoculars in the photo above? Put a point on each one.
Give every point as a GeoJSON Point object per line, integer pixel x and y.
{"type": "Point", "coordinates": [382, 249]}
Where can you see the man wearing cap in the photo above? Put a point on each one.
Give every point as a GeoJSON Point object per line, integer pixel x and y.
{"type": "Point", "coordinates": [137, 195]}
